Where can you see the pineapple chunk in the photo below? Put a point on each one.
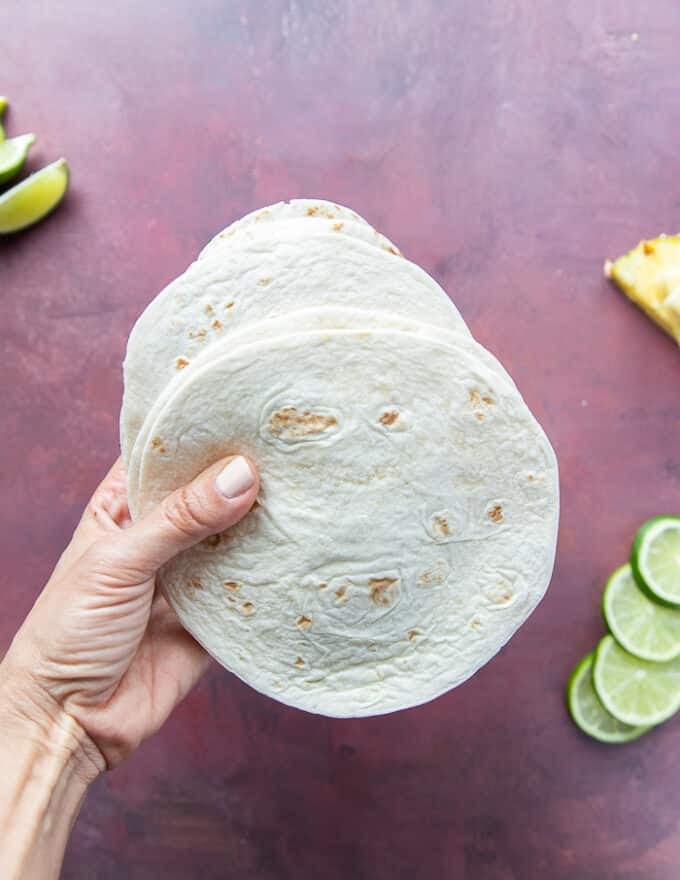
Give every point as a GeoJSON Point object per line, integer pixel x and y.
{"type": "Point", "coordinates": [649, 275]}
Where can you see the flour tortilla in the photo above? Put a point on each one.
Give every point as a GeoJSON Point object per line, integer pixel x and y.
{"type": "Point", "coordinates": [406, 524]}
{"type": "Point", "coordinates": [342, 219]}
{"type": "Point", "coordinates": [302, 321]}
{"type": "Point", "coordinates": [269, 275]}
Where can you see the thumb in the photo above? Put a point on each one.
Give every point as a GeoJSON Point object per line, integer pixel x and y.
{"type": "Point", "coordinates": [216, 499]}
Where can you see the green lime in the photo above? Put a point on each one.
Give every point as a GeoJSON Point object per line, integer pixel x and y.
{"type": "Point", "coordinates": [3, 104]}
{"type": "Point", "coordinates": [588, 712]}
{"type": "Point", "coordinates": [13, 154]}
{"type": "Point", "coordinates": [655, 559]}
{"type": "Point", "coordinates": [644, 628]}
{"type": "Point", "coordinates": [635, 691]}
{"type": "Point", "coordinates": [33, 198]}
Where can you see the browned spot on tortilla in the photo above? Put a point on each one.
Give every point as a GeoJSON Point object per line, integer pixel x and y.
{"type": "Point", "coordinates": [261, 214]}
{"type": "Point", "coordinates": [393, 250]}
{"type": "Point", "coordinates": [195, 583]}
{"type": "Point", "coordinates": [299, 662]}
{"type": "Point", "coordinates": [181, 363]}
{"type": "Point", "coordinates": [479, 416]}
{"type": "Point", "coordinates": [208, 309]}
{"type": "Point", "coordinates": [495, 513]}
{"type": "Point", "coordinates": [157, 444]}
{"type": "Point", "coordinates": [340, 592]}
{"type": "Point", "coordinates": [337, 227]}
{"type": "Point", "coordinates": [263, 282]}
{"type": "Point", "coordinates": [216, 325]}
{"type": "Point", "coordinates": [413, 634]}
{"type": "Point", "coordinates": [198, 334]}
{"type": "Point", "coordinates": [441, 527]}
{"type": "Point", "coordinates": [304, 622]}
{"type": "Point", "coordinates": [229, 305]}
{"type": "Point", "coordinates": [476, 623]}
{"type": "Point", "coordinates": [506, 597]}
{"type": "Point", "coordinates": [379, 588]}
{"type": "Point", "coordinates": [389, 418]}
{"type": "Point", "coordinates": [233, 586]}
{"type": "Point", "coordinates": [248, 607]}
{"type": "Point", "coordinates": [476, 398]}
{"type": "Point", "coordinates": [213, 540]}
{"type": "Point", "coordinates": [323, 586]}
{"type": "Point", "coordinates": [288, 422]}
{"type": "Point", "coordinates": [231, 598]}
{"type": "Point", "coordinates": [429, 577]}
{"type": "Point", "coordinates": [648, 247]}
{"type": "Point", "coordinates": [312, 212]}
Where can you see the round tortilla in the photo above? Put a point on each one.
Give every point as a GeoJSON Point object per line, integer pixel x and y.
{"type": "Point", "coordinates": [302, 321]}
{"type": "Point", "coordinates": [287, 266]}
{"type": "Point", "coordinates": [406, 525]}
{"type": "Point", "coordinates": [343, 220]}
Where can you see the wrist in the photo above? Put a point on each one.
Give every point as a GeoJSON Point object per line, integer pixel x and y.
{"type": "Point", "coordinates": [47, 763]}
{"type": "Point", "coordinates": [32, 722]}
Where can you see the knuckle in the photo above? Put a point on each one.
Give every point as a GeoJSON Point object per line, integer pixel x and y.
{"type": "Point", "coordinates": [107, 508]}
{"type": "Point", "coordinates": [185, 512]}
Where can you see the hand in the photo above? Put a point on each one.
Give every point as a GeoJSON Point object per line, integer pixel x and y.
{"type": "Point", "coordinates": [100, 647]}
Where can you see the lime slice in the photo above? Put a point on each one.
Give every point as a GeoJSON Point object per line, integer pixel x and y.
{"type": "Point", "coordinates": [635, 691]}
{"type": "Point", "coordinates": [655, 559]}
{"type": "Point", "coordinates": [588, 712]}
{"type": "Point", "coordinates": [13, 154]}
{"type": "Point", "coordinates": [33, 198]}
{"type": "Point", "coordinates": [3, 104]}
{"type": "Point", "coordinates": [644, 628]}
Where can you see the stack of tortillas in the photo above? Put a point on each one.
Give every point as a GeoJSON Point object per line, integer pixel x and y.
{"type": "Point", "coordinates": [407, 519]}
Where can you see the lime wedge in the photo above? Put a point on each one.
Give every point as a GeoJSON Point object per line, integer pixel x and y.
{"type": "Point", "coordinates": [33, 198]}
{"type": "Point", "coordinates": [655, 559]}
{"type": "Point", "coordinates": [644, 628]}
{"type": "Point", "coordinates": [588, 712]}
{"type": "Point", "coordinates": [637, 692]}
{"type": "Point", "coordinates": [3, 104]}
{"type": "Point", "coordinates": [13, 154]}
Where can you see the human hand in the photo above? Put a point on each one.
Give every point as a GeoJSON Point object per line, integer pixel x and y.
{"type": "Point", "coordinates": [100, 647]}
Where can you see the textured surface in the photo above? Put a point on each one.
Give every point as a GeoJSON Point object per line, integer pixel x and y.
{"type": "Point", "coordinates": [388, 558]}
{"type": "Point", "coordinates": [509, 150]}
{"type": "Point", "coordinates": [239, 283]}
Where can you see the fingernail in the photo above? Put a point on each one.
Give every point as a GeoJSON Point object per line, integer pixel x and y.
{"type": "Point", "coordinates": [235, 479]}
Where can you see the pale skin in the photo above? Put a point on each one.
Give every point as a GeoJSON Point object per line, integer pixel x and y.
{"type": "Point", "coordinates": [101, 660]}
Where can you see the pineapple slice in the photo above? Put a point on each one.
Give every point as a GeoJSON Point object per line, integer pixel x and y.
{"type": "Point", "coordinates": [649, 275]}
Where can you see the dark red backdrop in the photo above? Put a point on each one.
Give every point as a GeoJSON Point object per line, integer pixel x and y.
{"type": "Point", "coordinates": [508, 147]}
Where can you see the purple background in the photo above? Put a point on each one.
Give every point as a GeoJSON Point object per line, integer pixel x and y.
{"type": "Point", "coordinates": [508, 147]}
